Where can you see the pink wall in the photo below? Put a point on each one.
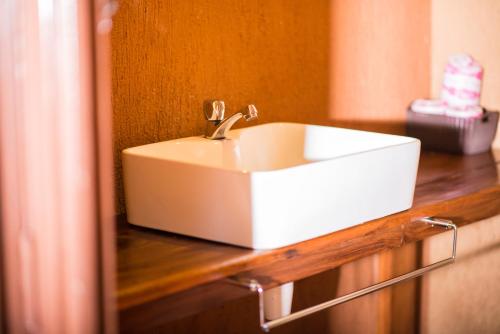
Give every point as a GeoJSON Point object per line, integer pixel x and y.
{"type": "Point", "coordinates": [471, 26]}
{"type": "Point", "coordinates": [380, 58]}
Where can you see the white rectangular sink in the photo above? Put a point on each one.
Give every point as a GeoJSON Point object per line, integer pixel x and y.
{"type": "Point", "coordinates": [269, 185]}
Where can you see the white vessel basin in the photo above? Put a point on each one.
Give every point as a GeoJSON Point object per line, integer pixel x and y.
{"type": "Point", "coordinates": [269, 185]}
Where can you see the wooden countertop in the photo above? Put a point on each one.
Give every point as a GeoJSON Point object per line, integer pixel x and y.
{"type": "Point", "coordinates": [153, 264]}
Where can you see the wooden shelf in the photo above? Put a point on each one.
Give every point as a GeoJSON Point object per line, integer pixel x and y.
{"type": "Point", "coordinates": [153, 265]}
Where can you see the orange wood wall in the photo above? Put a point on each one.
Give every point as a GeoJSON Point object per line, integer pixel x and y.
{"type": "Point", "coordinates": [296, 60]}
{"type": "Point", "coordinates": [169, 56]}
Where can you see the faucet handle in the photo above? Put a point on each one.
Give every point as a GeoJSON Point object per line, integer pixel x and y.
{"type": "Point", "coordinates": [214, 110]}
{"type": "Point", "coordinates": [251, 113]}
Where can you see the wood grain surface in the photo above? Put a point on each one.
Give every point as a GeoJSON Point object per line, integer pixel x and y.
{"type": "Point", "coordinates": [153, 264]}
{"type": "Point", "coordinates": [220, 307]}
{"type": "Point", "coordinates": [170, 56]}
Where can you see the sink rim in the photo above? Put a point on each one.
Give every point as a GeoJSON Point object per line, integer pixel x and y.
{"type": "Point", "coordinates": [232, 133]}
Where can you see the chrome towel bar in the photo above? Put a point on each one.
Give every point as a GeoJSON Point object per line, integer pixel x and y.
{"type": "Point", "coordinates": [255, 286]}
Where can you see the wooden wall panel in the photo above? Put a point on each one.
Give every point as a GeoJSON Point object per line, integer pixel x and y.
{"type": "Point", "coordinates": [169, 56]}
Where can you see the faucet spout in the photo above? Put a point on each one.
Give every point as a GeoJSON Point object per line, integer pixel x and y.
{"type": "Point", "coordinates": [217, 129]}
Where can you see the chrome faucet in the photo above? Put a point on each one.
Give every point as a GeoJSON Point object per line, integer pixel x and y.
{"type": "Point", "coordinates": [217, 126]}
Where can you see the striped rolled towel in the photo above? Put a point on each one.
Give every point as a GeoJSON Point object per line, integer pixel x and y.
{"type": "Point", "coordinates": [462, 82]}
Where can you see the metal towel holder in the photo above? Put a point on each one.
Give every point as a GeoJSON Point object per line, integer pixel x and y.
{"type": "Point", "coordinates": [255, 286]}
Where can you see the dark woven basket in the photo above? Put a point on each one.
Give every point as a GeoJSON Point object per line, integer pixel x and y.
{"type": "Point", "coordinates": [453, 134]}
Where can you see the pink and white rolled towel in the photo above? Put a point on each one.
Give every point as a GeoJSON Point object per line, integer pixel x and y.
{"type": "Point", "coordinates": [439, 107]}
{"type": "Point", "coordinates": [462, 82]}
{"type": "Point", "coordinates": [433, 107]}
{"type": "Point", "coordinates": [460, 93]}
{"type": "Point", "coordinates": [467, 112]}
